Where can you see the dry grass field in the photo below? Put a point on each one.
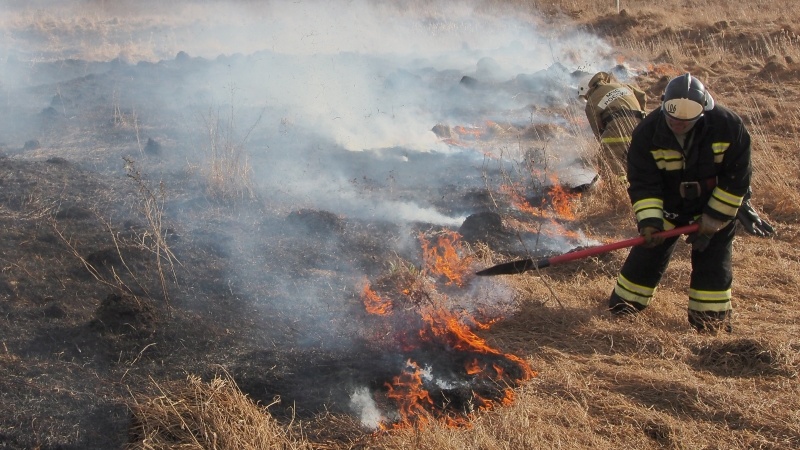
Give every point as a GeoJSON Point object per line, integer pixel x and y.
{"type": "Point", "coordinates": [156, 292]}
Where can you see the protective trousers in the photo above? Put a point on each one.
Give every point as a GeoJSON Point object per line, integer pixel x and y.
{"type": "Point", "coordinates": [614, 142]}
{"type": "Point", "coordinates": [709, 305]}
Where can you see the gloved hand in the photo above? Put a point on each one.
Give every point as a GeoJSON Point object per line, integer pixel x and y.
{"type": "Point", "coordinates": [702, 237]}
{"type": "Point", "coordinates": [699, 241]}
{"type": "Point", "coordinates": [709, 225]}
{"type": "Point", "coordinates": [650, 238]}
{"type": "Point", "coordinates": [751, 222]}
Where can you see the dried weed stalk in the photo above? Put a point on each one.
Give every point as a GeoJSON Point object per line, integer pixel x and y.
{"type": "Point", "coordinates": [154, 238]}
{"type": "Point", "coordinates": [227, 169]}
{"type": "Point", "coordinates": [116, 284]}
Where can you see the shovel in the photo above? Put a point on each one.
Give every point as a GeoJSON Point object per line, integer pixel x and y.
{"type": "Point", "coordinates": [523, 265]}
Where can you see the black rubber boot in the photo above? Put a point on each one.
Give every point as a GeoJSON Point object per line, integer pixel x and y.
{"type": "Point", "coordinates": [620, 307]}
{"type": "Point", "coordinates": [711, 321]}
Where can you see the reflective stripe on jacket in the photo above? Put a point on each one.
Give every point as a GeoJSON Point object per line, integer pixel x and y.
{"type": "Point", "coordinates": [605, 98]}
{"type": "Point", "coordinates": [719, 152]}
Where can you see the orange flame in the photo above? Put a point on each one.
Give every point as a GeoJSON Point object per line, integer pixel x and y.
{"type": "Point", "coordinates": [446, 326]}
{"type": "Point", "coordinates": [447, 258]}
{"type": "Point", "coordinates": [484, 404]}
{"type": "Point", "coordinates": [473, 367]}
{"type": "Point", "coordinates": [488, 368]}
{"type": "Point", "coordinates": [470, 134]}
{"type": "Point", "coordinates": [562, 200]}
{"type": "Point", "coordinates": [557, 206]}
{"type": "Point", "coordinates": [374, 303]}
{"type": "Point", "coordinates": [519, 202]}
{"type": "Point", "coordinates": [473, 132]}
{"type": "Point", "coordinates": [484, 325]}
{"type": "Point", "coordinates": [508, 399]}
{"type": "Point", "coordinates": [499, 370]}
{"type": "Point", "coordinates": [663, 69]}
{"type": "Point", "coordinates": [414, 401]}
{"type": "Point", "coordinates": [406, 389]}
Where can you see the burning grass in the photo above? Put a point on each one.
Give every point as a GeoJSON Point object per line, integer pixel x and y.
{"type": "Point", "coordinates": [450, 372]}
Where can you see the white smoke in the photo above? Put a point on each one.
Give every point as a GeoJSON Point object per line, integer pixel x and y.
{"type": "Point", "coordinates": [362, 403]}
{"type": "Point", "coordinates": [342, 97]}
{"type": "Point", "coordinates": [324, 77]}
{"type": "Point", "coordinates": [349, 69]}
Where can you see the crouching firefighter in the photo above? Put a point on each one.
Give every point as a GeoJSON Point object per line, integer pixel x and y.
{"type": "Point", "coordinates": [613, 110]}
{"type": "Point", "coordinates": [689, 161]}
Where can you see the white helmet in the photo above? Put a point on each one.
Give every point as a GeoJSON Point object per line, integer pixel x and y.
{"type": "Point", "coordinates": [685, 98]}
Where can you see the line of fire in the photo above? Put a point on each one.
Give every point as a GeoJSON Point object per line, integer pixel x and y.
{"type": "Point", "coordinates": [449, 370]}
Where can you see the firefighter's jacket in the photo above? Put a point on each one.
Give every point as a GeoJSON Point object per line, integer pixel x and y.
{"type": "Point", "coordinates": [715, 169]}
{"type": "Point", "coordinates": [607, 98]}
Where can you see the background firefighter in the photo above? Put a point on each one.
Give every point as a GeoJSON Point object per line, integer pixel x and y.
{"type": "Point", "coordinates": [613, 110]}
{"type": "Point", "coordinates": [688, 161]}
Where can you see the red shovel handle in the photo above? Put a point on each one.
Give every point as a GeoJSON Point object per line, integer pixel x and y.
{"type": "Point", "coordinates": [591, 251]}
{"type": "Point", "coordinates": [523, 265]}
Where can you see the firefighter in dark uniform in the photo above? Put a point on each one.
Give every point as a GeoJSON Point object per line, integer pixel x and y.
{"type": "Point", "coordinates": [689, 161]}
{"type": "Point", "coordinates": [613, 110]}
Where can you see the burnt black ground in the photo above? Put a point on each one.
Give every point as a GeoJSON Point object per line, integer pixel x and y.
{"type": "Point", "coordinates": [266, 287]}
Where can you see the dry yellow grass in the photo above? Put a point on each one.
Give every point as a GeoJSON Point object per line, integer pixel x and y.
{"type": "Point", "coordinates": [199, 415]}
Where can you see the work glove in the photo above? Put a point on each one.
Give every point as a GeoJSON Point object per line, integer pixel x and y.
{"type": "Point", "coordinates": [702, 237]}
{"type": "Point", "coordinates": [699, 242]}
{"type": "Point", "coordinates": [752, 223]}
{"type": "Point", "coordinates": [651, 239]}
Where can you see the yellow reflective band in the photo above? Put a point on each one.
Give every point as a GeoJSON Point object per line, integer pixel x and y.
{"type": "Point", "coordinates": [649, 214]}
{"type": "Point", "coordinates": [630, 296]}
{"type": "Point", "coordinates": [634, 288]}
{"type": "Point", "coordinates": [724, 202]}
{"type": "Point", "coordinates": [719, 150]}
{"type": "Point", "coordinates": [666, 154]}
{"type": "Point", "coordinates": [722, 208]}
{"type": "Point", "coordinates": [720, 147]}
{"type": "Point", "coordinates": [695, 305]}
{"type": "Point", "coordinates": [647, 203]}
{"type": "Point", "coordinates": [717, 301]}
{"type": "Point", "coordinates": [709, 296]}
{"type": "Point", "coordinates": [615, 140]}
{"type": "Point", "coordinates": [649, 208]}
{"type": "Point", "coordinates": [668, 159]}
{"type": "Point", "coordinates": [670, 165]}
{"type": "Point", "coordinates": [727, 197]}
